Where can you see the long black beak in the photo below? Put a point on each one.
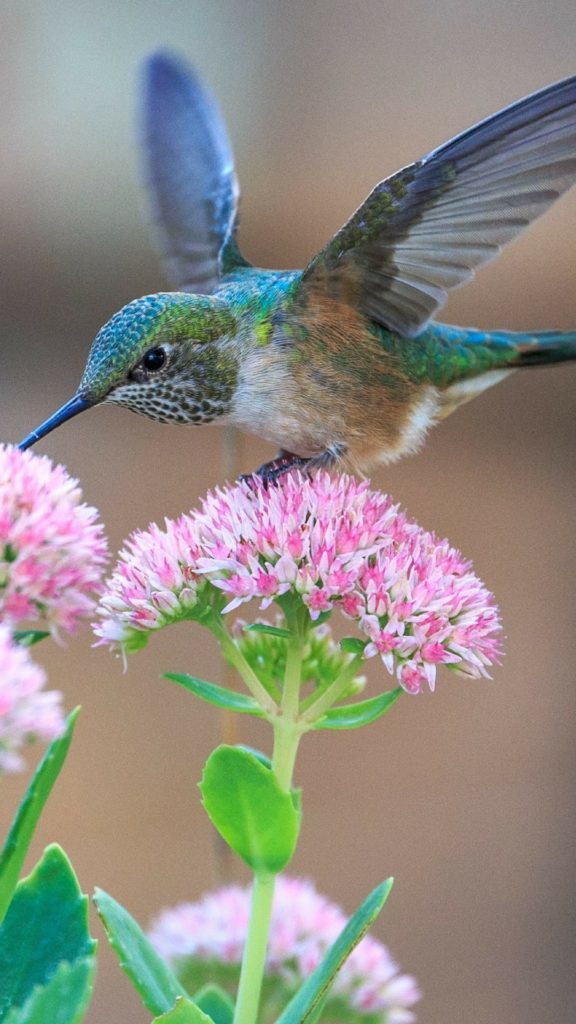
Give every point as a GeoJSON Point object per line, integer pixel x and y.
{"type": "Point", "coordinates": [76, 404]}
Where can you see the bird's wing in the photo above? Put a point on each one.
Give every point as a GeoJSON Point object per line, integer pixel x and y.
{"type": "Point", "coordinates": [189, 169]}
{"type": "Point", "coordinates": [425, 229]}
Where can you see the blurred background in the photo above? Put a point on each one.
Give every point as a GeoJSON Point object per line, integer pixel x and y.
{"type": "Point", "coordinates": [467, 795]}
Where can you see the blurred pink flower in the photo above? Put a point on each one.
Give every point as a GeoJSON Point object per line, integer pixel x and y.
{"type": "Point", "coordinates": [52, 547]}
{"type": "Point", "coordinates": [27, 712]}
{"type": "Point", "coordinates": [332, 541]}
{"type": "Point", "coordinates": [304, 924]}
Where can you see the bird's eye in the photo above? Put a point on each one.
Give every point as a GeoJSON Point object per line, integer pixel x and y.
{"type": "Point", "coordinates": [154, 359]}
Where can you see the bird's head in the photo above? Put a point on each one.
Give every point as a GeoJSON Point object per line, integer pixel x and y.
{"type": "Point", "coordinates": [170, 356]}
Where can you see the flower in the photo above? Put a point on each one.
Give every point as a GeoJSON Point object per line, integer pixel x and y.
{"type": "Point", "coordinates": [303, 535]}
{"type": "Point", "coordinates": [330, 542]}
{"type": "Point", "coordinates": [153, 584]}
{"type": "Point", "coordinates": [421, 605]}
{"type": "Point", "coordinates": [52, 548]}
{"type": "Point", "coordinates": [27, 712]}
{"type": "Point", "coordinates": [304, 924]}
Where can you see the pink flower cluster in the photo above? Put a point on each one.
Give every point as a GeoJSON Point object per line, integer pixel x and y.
{"type": "Point", "coordinates": [155, 582]}
{"type": "Point", "coordinates": [52, 548]}
{"type": "Point", "coordinates": [332, 541]}
{"type": "Point", "coordinates": [52, 555]}
{"type": "Point", "coordinates": [421, 606]}
{"type": "Point", "coordinates": [26, 711]}
{"type": "Point", "coordinates": [304, 924]}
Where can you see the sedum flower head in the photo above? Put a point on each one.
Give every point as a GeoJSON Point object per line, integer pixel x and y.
{"type": "Point", "coordinates": [27, 712]}
{"type": "Point", "coordinates": [52, 547]}
{"type": "Point", "coordinates": [304, 924]}
{"type": "Point", "coordinates": [331, 543]}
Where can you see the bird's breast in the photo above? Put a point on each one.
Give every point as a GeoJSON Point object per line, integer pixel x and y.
{"type": "Point", "coordinates": [320, 395]}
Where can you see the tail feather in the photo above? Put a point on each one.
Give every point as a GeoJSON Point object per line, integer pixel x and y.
{"type": "Point", "coordinates": [458, 353]}
{"type": "Point", "coordinates": [543, 347]}
{"type": "Point", "coordinates": [481, 359]}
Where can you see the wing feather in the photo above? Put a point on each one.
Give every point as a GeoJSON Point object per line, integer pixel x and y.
{"type": "Point", "coordinates": [189, 170]}
{"type": "Point", "coordinates": [424, 230]}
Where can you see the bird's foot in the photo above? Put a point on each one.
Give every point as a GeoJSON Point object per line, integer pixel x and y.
{"type": "Point", "coordinates": [285, 462]}
{"type": "Point", "coordinates": [270, 472]}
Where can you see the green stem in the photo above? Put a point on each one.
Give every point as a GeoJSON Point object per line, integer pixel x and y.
{"type": "Point", "coordinates": [287, 728]}
{"type": "Point", "coordinates": [287, 736]}
{"type": "Point", "coordinates": [334, 691]}
{"type": "Point", "coordinates": [237, 659]}
{"type": "Point", "coordinates": [292, 678]}
{"type": "Point", "coordinates": [286, 739]}
{"type": "Point", "coordinates": [254, 959]}
{"type": "Point", "coordinates": [288, 731]}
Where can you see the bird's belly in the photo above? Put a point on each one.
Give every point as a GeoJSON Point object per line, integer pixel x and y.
{"type": "Point", "coordinates": [392, 436]}
{"type": "Point", "coordinates": [293, 430]}
{"type": "Point", "coordinates": [367, 433]}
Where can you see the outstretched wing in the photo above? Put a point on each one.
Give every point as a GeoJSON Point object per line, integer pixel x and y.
{"type": "Point", "coordinates": [424, 230]}
{"type": "Point", "coordinates": [189, 168]}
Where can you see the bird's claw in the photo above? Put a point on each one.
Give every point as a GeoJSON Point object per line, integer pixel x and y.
{"type": "Point", "coordinates": [270, 472]}
{"type": "Point", "coordinates": [285, 462]}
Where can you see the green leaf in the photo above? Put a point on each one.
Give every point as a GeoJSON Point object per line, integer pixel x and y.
{"type": "Point", "coordinates": [183, 1012]}
{"type": "Point", "coordinates": [216, 1002]}
{"type": "Point", "coordinates": [155, 983]}
{"type": "Point", "coordinates": [303, 1006]}
{"type": "Point", "coordinates": [28, 637]}
{"type": "Point", "coordinates": [218, 695]}
{"type": "Point", "coordinates": [352, 716]}
{"type": "Point", "coordinates": [353, 645]}
{"type": "Point", "coordinates": [63, 1000]}
{"type": "Point", "coordinates": [263, 627]}
{"type": "Point", "coordinates": [24, 824]}
{"type": "Point", "coordinates": [251, 812]}
{"type": "Point", "coordinates": [46, 923]}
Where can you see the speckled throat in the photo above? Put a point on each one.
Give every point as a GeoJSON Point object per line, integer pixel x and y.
{"type": "Point", "coordinates": [173, 401]}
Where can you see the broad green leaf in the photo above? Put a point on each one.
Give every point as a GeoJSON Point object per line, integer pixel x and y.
{"type": "Point", "coordinates": [155, 983]}
{"type": "Point", "coordinates": [353, 645]}
{"type": "Point", "coordinates": [183, 1012]}
{"type": "Point", "coordinates": [46, 923]}
{"type": "Point", "coordinates": [63, 1000]}
{"type": "Point", "coordinates": [263, 627]}
{"type": "Point", "coordinates": [303, 1007]}
{"type": "Point", "coordinates": [218, 695]}
{"type": "Point", "coordinates": [29, 637]}
{"type": "Point", "coordinates": [251, 812]}
{"type": "Point", "coordinates": [352, 716]}
{"type": "Point", "coordinates": [216, 1002]}
{"type": "Point", "coordinates": [22, 830]}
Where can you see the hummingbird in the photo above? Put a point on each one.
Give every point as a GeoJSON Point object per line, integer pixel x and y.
{"type": "Point", "coordinates": [340, 364]}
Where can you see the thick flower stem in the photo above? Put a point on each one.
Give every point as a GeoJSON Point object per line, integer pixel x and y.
{"type": "Point", "coordinates": [292, 678]}
{"type": "Point", "coordinates": [287, 728]}
{"type": "Point", "coordinates": [287, 734]}
{"type": "Point", "coordinates": [286, 739]}
{"type": "Point", "coordinates": [254, 959]}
